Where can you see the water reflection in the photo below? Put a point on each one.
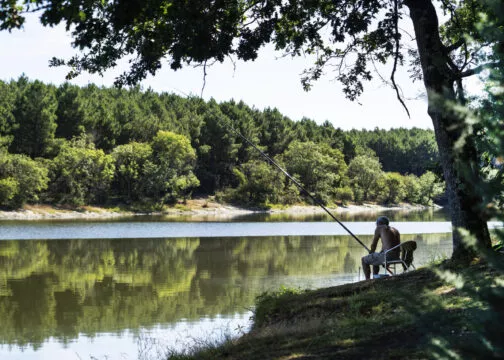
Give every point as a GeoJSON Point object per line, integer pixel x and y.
{"type": "Point", "coordinates": [60, 289]}
{"type": "Point", "coordinates": [147, 229]}
{"type": "Point", "coordinates": [430, 214]}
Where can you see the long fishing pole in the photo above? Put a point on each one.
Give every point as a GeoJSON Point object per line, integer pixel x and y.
{"type": "Point", "coordinates": [317, 201]}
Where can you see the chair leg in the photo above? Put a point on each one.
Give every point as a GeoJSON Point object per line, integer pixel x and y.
{"type": "Point", "coordinates": [390, 271]}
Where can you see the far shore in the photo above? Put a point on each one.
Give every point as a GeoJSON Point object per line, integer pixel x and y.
{"type": "Point", "coordinates": [195, 207]}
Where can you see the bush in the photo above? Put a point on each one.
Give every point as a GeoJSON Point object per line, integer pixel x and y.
{"type": "Point", "coordinates": [290, 195]}
{"type": "Point", "coordinates": [411, 189]}
{"type": "Point", "coordinates": [80, 174]}
{"type": "Point", "coordinates": [394, 189]}
{"type": "Point", "coordinates": [9, 187]}
{"type": "Point", "coordinates": [23, 179]}
{"type": "Point", "coordinates": [169, 174]}
{"type": "Point", "coordinates": [364, 172]}
{"type": "Point", "coordinates": [344, 194]}
{"type": "Point", "coordinates": [317, 166]}
{"type": "Point", "coordinates": [130, 163]}
{"type": "Point", "coordinates": [430, 187]}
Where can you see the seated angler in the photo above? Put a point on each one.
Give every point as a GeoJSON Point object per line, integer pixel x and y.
{"type": "Point", "coordinates": [390, 237]}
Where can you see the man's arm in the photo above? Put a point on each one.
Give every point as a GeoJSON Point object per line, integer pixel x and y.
{"type": "Point", "coordinates": [374, 244]}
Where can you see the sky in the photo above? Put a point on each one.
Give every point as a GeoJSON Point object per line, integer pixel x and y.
{"type": "Point", "coordinates": [270, 81]}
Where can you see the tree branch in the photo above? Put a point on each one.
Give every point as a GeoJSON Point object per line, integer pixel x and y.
{"type": "Point", "coordinates": [451, 64]}
{"type": "Point", "coordinates": [478, 69]}
{"type": "Point", "coordinates": [36, 9]}
{"type": "Point", "coordinates": [204, 78]}
{"type": "Point", "coordinates": [454, 46]}
{"type": "Point", "coordinates": [460, 92]}
{"type": "Point", "coordinates": [396, 57]}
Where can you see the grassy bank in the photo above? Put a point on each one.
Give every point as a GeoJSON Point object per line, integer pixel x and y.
{"type": "Point", "coordinates": [416, 316]}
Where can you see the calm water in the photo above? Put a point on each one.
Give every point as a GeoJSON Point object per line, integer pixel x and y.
{"type": "Point", "coordinates": [131, 289]}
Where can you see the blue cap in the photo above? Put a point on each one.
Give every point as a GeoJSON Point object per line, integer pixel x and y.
{"type": "Point", "coordinates": [382, 220]}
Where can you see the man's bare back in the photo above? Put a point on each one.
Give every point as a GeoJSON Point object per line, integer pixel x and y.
{"type": "Point", "coordinates": [390, 237]}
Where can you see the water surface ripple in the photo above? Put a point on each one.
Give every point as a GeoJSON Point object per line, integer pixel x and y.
{"type": "Point", "coordinates": [128, 230]}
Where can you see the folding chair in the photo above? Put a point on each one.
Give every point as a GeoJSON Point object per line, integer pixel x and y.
{"type": "Point", "coordinates": [405, 258]}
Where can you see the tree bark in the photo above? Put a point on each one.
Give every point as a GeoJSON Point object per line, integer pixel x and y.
{"type": "Point", "coordinates": [460, 167]}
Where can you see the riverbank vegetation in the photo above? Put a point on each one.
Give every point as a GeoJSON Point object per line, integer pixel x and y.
{"type": "Point", "coordinates": [89, 145]}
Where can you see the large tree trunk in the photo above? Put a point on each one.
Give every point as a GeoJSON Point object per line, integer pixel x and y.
{"type": "Point", "coordinates": [460, 168]}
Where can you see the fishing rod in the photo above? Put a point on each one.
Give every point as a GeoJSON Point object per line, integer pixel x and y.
{"type": "Point", "coordinates": [273, 162]}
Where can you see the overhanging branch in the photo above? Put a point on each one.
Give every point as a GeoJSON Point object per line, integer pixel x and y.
{"type": "Point", "coordinates": [455, 45]}
{"type": "Point", "coordinates": [478, 69]}
{"type": "Point", "coordinates": [396, 57]}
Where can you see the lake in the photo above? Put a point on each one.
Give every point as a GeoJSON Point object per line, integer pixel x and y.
{"type": "Point", "coordinates": [135, 288]}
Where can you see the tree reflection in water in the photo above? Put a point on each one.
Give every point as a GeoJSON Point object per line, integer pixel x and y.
{"type": "Point", "coordinates": [63, 288]}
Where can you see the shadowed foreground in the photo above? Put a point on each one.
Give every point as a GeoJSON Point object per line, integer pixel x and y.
{"type": "Point", "coordinates": [416, 315]}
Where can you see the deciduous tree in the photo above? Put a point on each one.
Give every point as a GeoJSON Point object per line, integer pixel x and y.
{"type": "Point", "coordinates": [170, 174]}
{"type": "Point", "coordinates": [318, 167]}
{"type": "Point", "coordinates": [430, 187]}
{"type": "Point", "coordinates": [394, 187]}
{"type": "Point", "coordinates": [364, 172]}
{"type": "Point", "coordinates": [22, 179]}
{"type": "Point", "coordinates": [259, 184]}
{"type": "Point", "coordinates": [360, 31]}
{"type": "Point", "coordinates": [131, 163]}
{"type": "Point", "coordinates": [80, 174]}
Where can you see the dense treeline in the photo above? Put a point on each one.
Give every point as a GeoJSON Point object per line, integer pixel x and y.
{"type": "Point", "coordinates": [94, 145]}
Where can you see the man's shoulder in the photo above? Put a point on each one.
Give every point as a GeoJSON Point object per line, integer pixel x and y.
{"type": "Point", "coordinates": [390, 229]}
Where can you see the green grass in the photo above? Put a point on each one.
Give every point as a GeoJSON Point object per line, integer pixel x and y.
{"type": "Point", "coordinates": [416, 316]}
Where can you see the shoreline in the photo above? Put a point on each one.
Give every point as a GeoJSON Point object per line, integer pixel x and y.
{"type": "Point", "coordinates": [195, 207]}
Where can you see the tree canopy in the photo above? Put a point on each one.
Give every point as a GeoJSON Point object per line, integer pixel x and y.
{"type": "Point", "coordinates": [146, 149]}
{"type": "Point", "coordinates": [349, 35]}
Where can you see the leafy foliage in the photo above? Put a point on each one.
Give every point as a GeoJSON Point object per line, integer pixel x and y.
{"type": "Point", "coordinates": [395, 189]}
{"type": "Point", "coordinates": [35, 114]}
{"type": "Point", "coordinates": [126, 124]}
{"type": "Point", "coordinates": [319, 168]}
{"type": "Point", "coordinates": [430, 187]}
{"type": "Point", "coordinates": [80, 174]}
{"type": "Point", "coordinates": [170, 174]}
{"type": "Point", "coordinates": [22, 179]}
{"type": "Point", "coordinates": [132, 162]}
{"type": "Point", "coordinates": [259, 184]}
{"type": "Point", "coordinates": [364, 173]}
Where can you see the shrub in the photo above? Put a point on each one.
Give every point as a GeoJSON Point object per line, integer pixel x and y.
{"type": "Point", "coordinates": [80, 174]}
{"type": "Point", "coordinates": [344, 194]}
{"type": "Point", "coordinates": [394, 188]}
{"type": "Point", "coordinates": [9, 187]}
{"type": "Point", "coordinates": [411, 189]}
{"type": "Point", "coordinates": [23, 179]}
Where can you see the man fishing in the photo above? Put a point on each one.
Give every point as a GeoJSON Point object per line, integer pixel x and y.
{"type": "Point", "coordinates": [314, 198]}
{"type": "Point", "coordinates": [390, 237]}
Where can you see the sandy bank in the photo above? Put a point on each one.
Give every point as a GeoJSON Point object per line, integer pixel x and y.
{"type": "Point", "coordinates": [197, 207]}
